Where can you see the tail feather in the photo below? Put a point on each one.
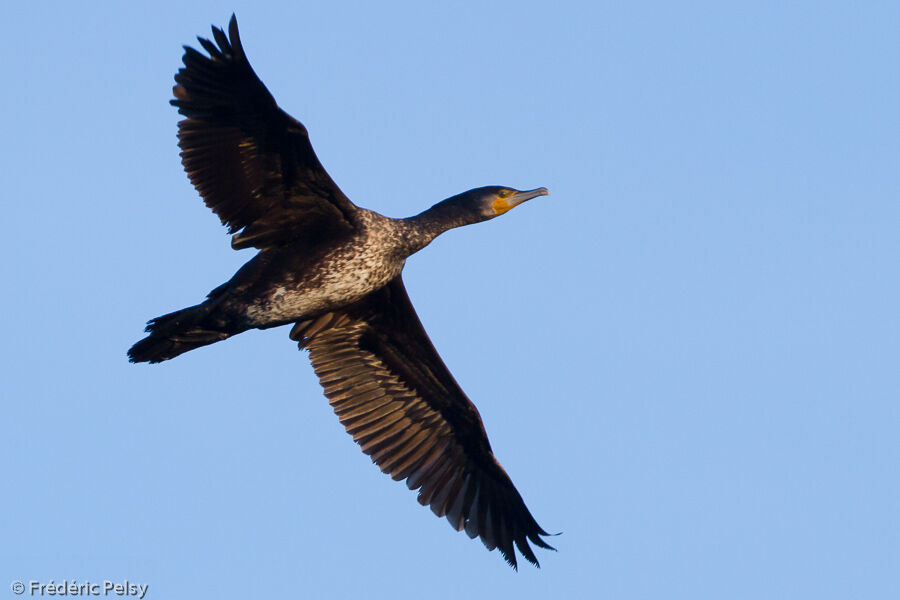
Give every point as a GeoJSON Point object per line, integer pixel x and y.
{"type": "Point", "coordinates": [176, 333]}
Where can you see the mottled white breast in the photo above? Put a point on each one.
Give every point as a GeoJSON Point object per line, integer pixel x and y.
{"type": "Point", "coordinates": [344, 275]}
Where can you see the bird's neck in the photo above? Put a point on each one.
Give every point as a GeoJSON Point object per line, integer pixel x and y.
{"type": "Point", "coordinates": [427, 225]}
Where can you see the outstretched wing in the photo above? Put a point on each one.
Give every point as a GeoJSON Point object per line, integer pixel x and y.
{"type": "Point", "coordinates": [395, 396]}
{"type": "Point", "coordinates": [252, 162]}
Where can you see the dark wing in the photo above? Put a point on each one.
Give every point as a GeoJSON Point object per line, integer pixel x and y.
{"type": "Point", "coordinates": [395, 396]}
{"type": "Point", "coordinates": [252, 162]}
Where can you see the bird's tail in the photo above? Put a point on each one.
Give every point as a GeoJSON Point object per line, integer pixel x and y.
{"type": "Point", "coordinates": [178, 332]}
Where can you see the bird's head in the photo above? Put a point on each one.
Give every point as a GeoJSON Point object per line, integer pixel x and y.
{"type": "Point", "coordinates": [492, 201]}
{"type": "Point", "coordinates": [469, 207]}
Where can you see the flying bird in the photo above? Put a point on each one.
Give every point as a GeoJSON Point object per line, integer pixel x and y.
{"type": "Point", "coordinates": [333, 270]}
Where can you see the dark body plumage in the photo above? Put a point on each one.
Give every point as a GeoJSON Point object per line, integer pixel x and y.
{"type": "Point", "coordinates": [333, 270]}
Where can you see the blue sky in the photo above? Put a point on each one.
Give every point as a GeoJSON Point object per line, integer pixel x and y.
{"type": "Point", "coordinates": [687, 357]}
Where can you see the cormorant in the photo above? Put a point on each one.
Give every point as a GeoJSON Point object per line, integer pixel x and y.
{"type": "Point", "coordinates": [333, 269]}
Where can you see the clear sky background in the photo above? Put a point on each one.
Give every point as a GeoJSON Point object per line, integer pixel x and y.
{"type": "Point", "coordinates": [687, 357]}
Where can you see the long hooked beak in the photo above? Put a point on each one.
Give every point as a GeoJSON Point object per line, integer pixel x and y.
{"type": "Point", "coordinates": [505, 204]}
